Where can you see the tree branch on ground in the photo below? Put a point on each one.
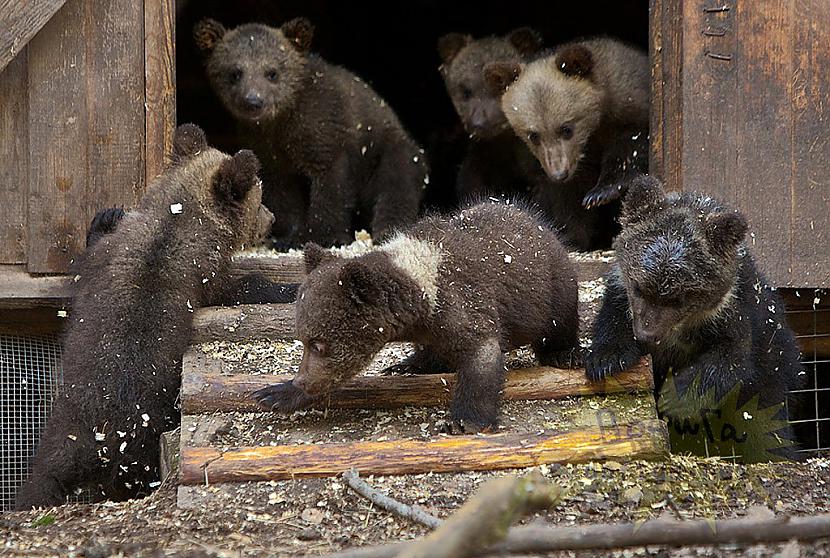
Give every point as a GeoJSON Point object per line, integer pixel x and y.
{"type": "Point", "coordinates": [413, 513]}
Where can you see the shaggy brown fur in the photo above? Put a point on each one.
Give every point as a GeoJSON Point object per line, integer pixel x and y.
{"type": "Point", "coordinates": [583, 111]}
{"type": "Point", "coordinates": [685, 289]}
{"type": "Point", "coordinates": [467, 287]}
{"type": "Point", "coordinates": [135, 294]}
{"type": "Point", "coordinates": [497, 162]}
{"type": "Point", "coordinates": [335, 155]}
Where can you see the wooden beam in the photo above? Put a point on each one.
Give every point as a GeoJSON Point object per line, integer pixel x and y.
{"type": "Point", "coordinates": [20, 290]}
{"type": "Point", "coordinates": [209, 392]}
{"type": "Point", "coordinates": [159, 84]}
{"type": "Point", "coordinates": [640, 440]}
{"type": "Point", "coordinates": [20, 20]}
{"type": "Point", "coordinates": [243, 323]}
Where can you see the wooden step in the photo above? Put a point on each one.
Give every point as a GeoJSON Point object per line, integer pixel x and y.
{"type": "Point", "coordinates": [640, 440]}
{"type": "Point", "coordinates": [205, 389]}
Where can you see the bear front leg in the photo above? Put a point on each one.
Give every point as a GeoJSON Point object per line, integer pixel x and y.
{"type": "Point", "coordinates": [255, 288]}
{"type": "Point", "coordinates": [477, 395]}
{"type": "Point", "coordinates": [331, 206]}
{"type": "Point", "coordinates": [625, 156]}
{"type": "Point", "coordinates": [398, 182]}
{"type": "Point", "coordinates": [614, 348]}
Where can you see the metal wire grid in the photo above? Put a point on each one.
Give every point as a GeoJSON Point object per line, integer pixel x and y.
{"type": "Point", "coordinates": [30, 370]}
{"type": "Point", "coordinates": [812, 417]}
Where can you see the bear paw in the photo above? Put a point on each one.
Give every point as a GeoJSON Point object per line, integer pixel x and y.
{"type": "Point", "coordinates": [602, 195]}
{"type": "Point", "coordinates": [609, 362]}
{"type": "Point", "coordinates": [284, 397]}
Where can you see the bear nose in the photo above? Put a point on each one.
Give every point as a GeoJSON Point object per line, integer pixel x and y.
{"type": "Point", "coordinates": [560, 175]}
{"type": "Point", "coordinates": [254, 101]}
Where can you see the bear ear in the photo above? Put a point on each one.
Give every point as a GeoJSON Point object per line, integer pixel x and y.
{"type": "Point", "coordinates": [188, 140]}
{"type": "Point", "coordinates": [235, 177]}
{"type": "Point", "coordinates": [645, 195]}
{"type": "Point", "coordinates": [575, 60]}
{"type": "Point", "coordinates": [725, 230]}
{"type": "Point", "coordinates": [451, 44]}
{"type": "Point", "coordinates": [207, 33]}
{"type": "Point", "coordinates": [499, 75]}
{"type": "Point", "coordinates": [315, 255]}
{"type": "Point", "coordinates": [361, 283]}
{"type": "Point", "coordinates": [526, 40]}
{"type": "Point", "coordinates": [299, 31]}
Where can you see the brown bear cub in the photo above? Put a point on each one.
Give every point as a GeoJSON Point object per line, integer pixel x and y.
{"type": "Point", "coordinates": [135, 291]}
{"type": "Point", "coordinates": [467, 287]}
{"type": "Point", "coordinates": [335, 155]}
{"type": "Point", "coordinates": [584, 113]}
{"type": "Point", "coordinates": [685, 289]}
{"type": "Point", "coordinates": [497, 162]}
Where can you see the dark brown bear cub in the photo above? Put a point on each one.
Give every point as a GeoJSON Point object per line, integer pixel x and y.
{"type": "Point", "coordinates": [497, 162]}
{"type": "Point", "coordinates": [335, 155]}
{"type": "Point", "coordinates": [467, 287]}
{"type": "Point", "coordinates": [686, 290]}
{"type": "Point", "coordinates": [583, 111]}
{"type": "Point", "coordinates": [135, 291]}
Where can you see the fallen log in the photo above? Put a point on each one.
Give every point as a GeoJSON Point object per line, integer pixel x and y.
{"type": "Point", "coordinates": [645, 439]}
{"type": "Point", "coordinates": [657, 532]}
{"type": "Point", "coordinates": [208, 392]}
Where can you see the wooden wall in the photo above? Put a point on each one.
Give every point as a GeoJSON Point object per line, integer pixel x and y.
{"type": "Point", "coordinates": [742, 112]}
{"type": "Point", "coordinates": [87, 110]}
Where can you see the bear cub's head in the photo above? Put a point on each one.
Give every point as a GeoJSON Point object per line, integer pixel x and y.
{"type": "Point", "coordinates": [256, 70]}
{"type": "Point", "coordinates": [464, 63]}
{"type": "Point", "coordinates": [233, 193]}
{"type": "Point", "coordinates": [678, 255]}
{"type": "Point", "coordinates": [343, 316]}
{"type": "Point", "coordinates": [554, 104]}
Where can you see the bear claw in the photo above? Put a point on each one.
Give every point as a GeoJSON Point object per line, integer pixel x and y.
{"type": "Point", "coordinates": [285, 397]}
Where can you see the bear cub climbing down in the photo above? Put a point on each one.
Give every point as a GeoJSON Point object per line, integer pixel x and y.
{"type": "Point", "coordinates": [335, 156]}
{"type": "Point", "coordinates": [685, 289]}
{"type": "Point", "coordinates": [467, 287]}
{"type": "Point", "coordinates": [137, 285]}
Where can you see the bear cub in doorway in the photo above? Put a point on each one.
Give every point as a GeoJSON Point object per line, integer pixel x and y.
{"type": "Point", "coordinates": [335, 156]}
{"type": "Point", "coordinates": [467, 287]}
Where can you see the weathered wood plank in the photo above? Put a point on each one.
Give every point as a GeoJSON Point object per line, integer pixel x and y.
{"type": "Point", "coordinates": [19, 290]}
{"type": "Point", "coordinates": [20, 20]}
{"type": "Point", "coordinates": [58, 149]}
{"type": "Point", "coordinates": [811, 144]}
{"type": "Point", "coordinates": [640, 440]}
{"type": "Point", "coordinates": [115, 105]}
{"type": "Point", "coordinates": [209, 392]}
{"type": "Point", "coordinates": [14, 159]}
{"type": "Point", "coordinates": [160, 83]}
{"type": "Point", "coordinates": [765, 132]}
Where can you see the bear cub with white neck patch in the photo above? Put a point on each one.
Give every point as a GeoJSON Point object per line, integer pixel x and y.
{"type": "Point", "coordinates": [467, 287]}
{"type": "Point", "coordinates": [686, 290]}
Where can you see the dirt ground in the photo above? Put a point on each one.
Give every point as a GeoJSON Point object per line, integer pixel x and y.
{"type": "Point", "coordinates": [311, 517]}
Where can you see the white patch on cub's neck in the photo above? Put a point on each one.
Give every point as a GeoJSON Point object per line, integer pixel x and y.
{"type": "Point", "coordinates": [419, 259]}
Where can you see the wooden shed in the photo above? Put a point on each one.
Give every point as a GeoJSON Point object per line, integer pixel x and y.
{"type": "Point", "coordinates": [87, 110]}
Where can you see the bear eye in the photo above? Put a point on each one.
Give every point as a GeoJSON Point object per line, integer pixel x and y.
{"type": "Point", "coordinates": [317, 347]}
{"type": "Point", "coordinates": [234, 76]}
{"type": "Point", "coordinates": [533, 137]}
{"type": "Point", "coordinates": [271, 75]}
{"type": "Point", "coordinates": [467, 93]}
{"type": "Point", "coordinates": [566, 131]}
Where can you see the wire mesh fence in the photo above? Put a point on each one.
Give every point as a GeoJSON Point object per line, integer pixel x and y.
{"type": "Point", "coordinates": [30, 371]}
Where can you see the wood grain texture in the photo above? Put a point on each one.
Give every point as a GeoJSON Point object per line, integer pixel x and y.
{"type": "Point", "coordinates": [810, 201]}
{"type": "Point", "coordinates": [19, 290]}
{"type": "Point", "coordinates": [290, 269]}
{"type": "Point", "coordinates": [209, 392]}
{"type": "Point", "coordinates": [58, 131]}
{"type": "Point", "coordinates": [20, 20]}
{"type": "Point", "coordinates": [14, 160]}
{"type": "Point", "coordinates": [243, 323]}
{"type": "Point", "coordinates": [640, 440]}
{"type": "Point", "coordinates": [159, 84]}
